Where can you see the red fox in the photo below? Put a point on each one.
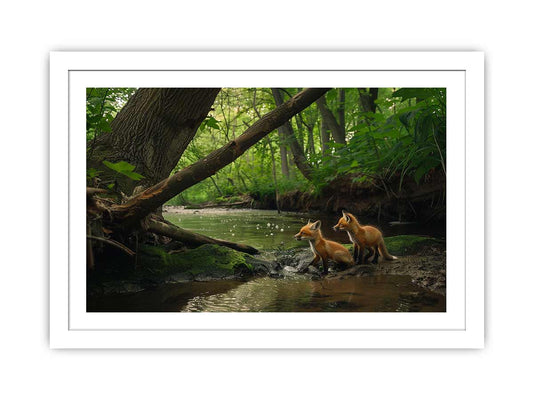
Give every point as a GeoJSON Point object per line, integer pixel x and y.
{"type": "Point", "coordinates": [363, 237]}
{"type": "Point", "coordinates": [322, 248]}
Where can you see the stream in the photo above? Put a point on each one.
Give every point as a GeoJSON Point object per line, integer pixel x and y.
{"type": "Point", "coordinates": [268, 231]}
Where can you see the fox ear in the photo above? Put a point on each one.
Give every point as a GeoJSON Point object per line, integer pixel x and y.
{"type": "Point", "coordinates": [344, 213]}
{"type": "Point", "coordinates": [316, 225]}
{"type": "Point", "coordinates": [347, 217]}
{"type": "Point", "coordinates": [308, 221]}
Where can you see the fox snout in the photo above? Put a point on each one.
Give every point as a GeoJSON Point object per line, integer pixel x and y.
{"type": "Point", "coordinates": [298, 236]}
{"type": "Point", "coordinates": [335, 228]}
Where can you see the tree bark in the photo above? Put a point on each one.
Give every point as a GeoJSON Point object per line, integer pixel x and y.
{"type": "Point", "coordinates": [324, 137]}
{"type": "Point", "coordinates": [310, 137]}
{"type": "Point", "coordinates": [151, 132]}
{"type": "Point", "coordinates": [336, 131]}
{"type": "Point", "coordinates": [367, 99]}
{"type": "Point", "coordinates": [341, 98]}
{"type": "Point", "coordinates": [144, 203]}
{"type": "Point", "coordinates": [283, 156]}
{"type": "Point", "coordinates": [274, 174]}
{"type": "Point", "coordinates": [310, 141]}
{"type": "Point", "coordinates": [192, 238]}
{"type": "Point", "coordinates": [290, 137]}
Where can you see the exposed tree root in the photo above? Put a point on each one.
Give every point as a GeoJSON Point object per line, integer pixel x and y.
{"type": "Point", "coordinates": [113, 243]}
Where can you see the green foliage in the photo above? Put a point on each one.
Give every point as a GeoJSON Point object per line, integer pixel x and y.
{"type": "Point", "coordinates": [404, 139]}
{"type": "Point", "coordinates": [92, 173]}
{"type": "Point", "coordinates": [102, 105]}
{"type": "Point", "coordinates": [124, 168]}
{"type": "Point", "coordinates": [389, 146]}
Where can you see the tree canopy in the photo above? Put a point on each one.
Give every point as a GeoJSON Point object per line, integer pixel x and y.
{"type": "Point", "coordinates": [383, 137]}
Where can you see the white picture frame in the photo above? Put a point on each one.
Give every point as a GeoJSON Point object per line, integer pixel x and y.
{"type": "Point", "coordinates": [461, 326]}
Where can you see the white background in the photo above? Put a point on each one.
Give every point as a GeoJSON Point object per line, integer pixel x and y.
{"type": "Point", "coordinates": [29, 30]}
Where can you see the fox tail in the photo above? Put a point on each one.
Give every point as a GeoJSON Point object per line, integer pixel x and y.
{"type": "Point", "coordinates": [384, 253]}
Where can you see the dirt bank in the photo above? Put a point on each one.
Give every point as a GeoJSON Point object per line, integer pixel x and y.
{"type": "Point", "coordinates": [421, 258]}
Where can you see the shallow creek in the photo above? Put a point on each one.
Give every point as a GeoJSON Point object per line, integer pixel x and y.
{"type": "Point", "coordinates": [267, 230]}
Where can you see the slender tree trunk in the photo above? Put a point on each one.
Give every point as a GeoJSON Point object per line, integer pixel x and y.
{"type": "Point", "coordinates": [367, 99]}
{"type": "Point", "coordinates": [274, 174]}
{"type": "Point", "coordinates": [327, 116]}
{"type": "Point", "coordinates": [272, 156]}
{"type": "Point", "coordinates": [283, 155]}
{"type": "Point", "coordinates": [310, 137]}
{"type": "Point", "coordinates": [341, 98]}
{"type": "Point", "coordinates": [216, 186]}
{"type": "Point", "coordinates": [310, 141]}
{"type": "Point", "coordinates": [146, 202]}
{"type": "Point", "coordinates": [151, 132]}
{"type": "Point", "coordinates": [290, 137]}
{"type": "Point", "coordinates": [324, 137]}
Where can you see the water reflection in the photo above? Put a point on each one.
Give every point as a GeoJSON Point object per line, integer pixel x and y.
{"type": "Point", "coordinates": [387, 293]}
{"type": "Point", "coordinates": [370, 294]}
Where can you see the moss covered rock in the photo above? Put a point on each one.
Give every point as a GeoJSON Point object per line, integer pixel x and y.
{"type": "Point", "coordinates": [207, 260]}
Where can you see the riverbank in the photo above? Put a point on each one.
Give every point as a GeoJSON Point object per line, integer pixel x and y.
{"type": "Point", "coordinates": [422, 202]}
{"type": "Point", "coordinates": [423, 259]}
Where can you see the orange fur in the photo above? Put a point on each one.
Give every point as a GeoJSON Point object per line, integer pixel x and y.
{"type": "Point", "coordinates": [322, 248]}
{"type": "Point", "coordinates": [363, 236]}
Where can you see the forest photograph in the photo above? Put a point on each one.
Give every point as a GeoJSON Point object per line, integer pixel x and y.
{"type": "Point", "coordinates": [266, 199]}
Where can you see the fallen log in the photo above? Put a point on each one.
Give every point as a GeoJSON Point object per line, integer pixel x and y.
{"type": "Point", "coordinates": [196, 239]}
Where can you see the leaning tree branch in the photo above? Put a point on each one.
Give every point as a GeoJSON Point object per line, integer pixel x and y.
{"type": "Point", "coordinates": [140, 206]}
{"type": "Point", "coordinates": [195, 239]}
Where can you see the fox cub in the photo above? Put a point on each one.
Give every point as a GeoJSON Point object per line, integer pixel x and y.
{"type": "Point", "coordinates": [323, 249]}
{"type": "Point", "coordinates": [362, 237]}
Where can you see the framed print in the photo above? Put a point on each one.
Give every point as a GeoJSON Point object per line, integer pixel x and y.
{"type": "Point", "coordinates": [266, 200]}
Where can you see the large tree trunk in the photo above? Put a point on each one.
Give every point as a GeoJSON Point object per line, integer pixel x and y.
{"type": "Point", "coordinates": [146, 202]}
{"type": "Point", "coordinates": [152, 131]}
{"type": "Point", "coordinates": [336, 131]}
{"type": "Point", "coordinates": [289, 136]}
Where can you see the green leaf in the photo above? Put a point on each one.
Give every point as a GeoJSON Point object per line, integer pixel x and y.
{"type": "Point", "coordinates": [121, 166]}
{"type": "Point", "coordinates": [91, 173]}
{"type": "Point", "coordinates": [124, 168]}
{"type": "Point", "coordinates": [133, 175]}
{"type": "Point", "coordinates": [211, 123]}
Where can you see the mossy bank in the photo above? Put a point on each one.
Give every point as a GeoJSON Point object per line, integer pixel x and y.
{"type": "Point", "coordinates": [423, 258]}
{"type": "Point", "coordinates": [156, 266]}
